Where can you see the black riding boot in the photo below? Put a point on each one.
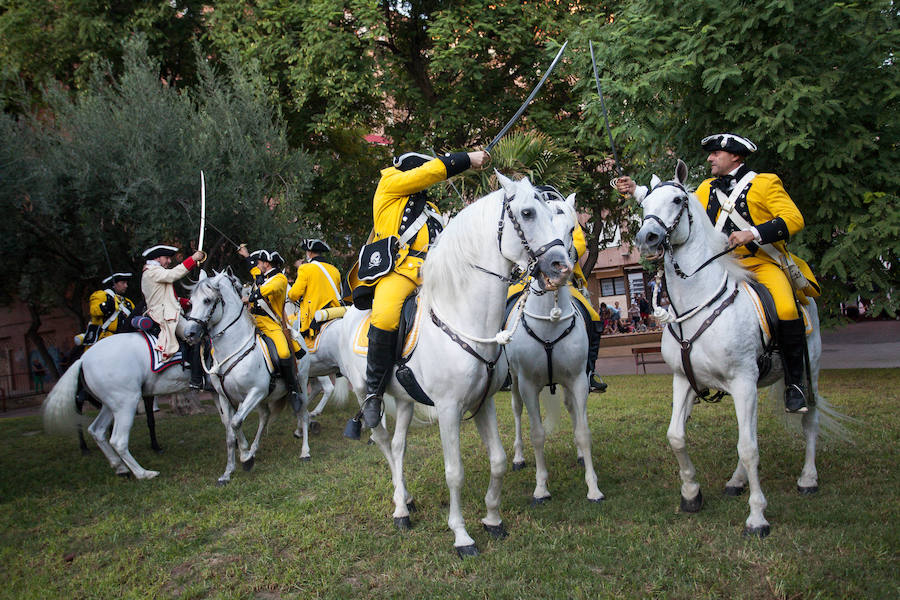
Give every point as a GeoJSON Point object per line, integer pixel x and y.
{"type": "Point", "coordinates": [792, 339]}
{"type": "Point", "coordinates": [594, 330]}
{"type": "Point", "coordinates": [197, 382]}
{"type": "Point", "coordinates": [289, 375]}
{"type": "Point", "coordinates": [379, 363]}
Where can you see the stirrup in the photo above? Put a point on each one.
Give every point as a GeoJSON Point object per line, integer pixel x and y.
{"type": "Point", "coordinates": [793, 403]}
{"type": "Point", "coordinates": [597, 386]}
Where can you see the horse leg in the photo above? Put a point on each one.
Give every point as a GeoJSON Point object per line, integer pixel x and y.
{"type": "Point", "coordinates": [745, 400]}
{"type": "Point", "coordinates": [448, 422]}
{"type": "Point", "coordinates": [327, 388]}
{"type": "Point", "coordinates": [122, 423]}
{"type": "Point", "coordinates": [225, 413]}
{"type": "Point", "coordinates": [682, 403]}
{"type": "Point", "coordinates": [151, 423]}
{"type": "Point", "coordinates": [577, 401]}
{"type": "Point", "coordinates": [808, 483]}
{"type": "Point", "coordinates": [248, 456]}
{"type": "Point", "coordinates": [403, 500]}
{"type": "Point", "coordinates": [529, 395]}
{"type": "Point", "coordinates": [738, 482]}
{"type": "Point", "coordinates": [303, 420]}
{"type": "Point", "coordinates": [486, 421]}
{"type": "Point", "coordinates": [516, 402]}
{"type": "Point", "coordinates": [98, 430]}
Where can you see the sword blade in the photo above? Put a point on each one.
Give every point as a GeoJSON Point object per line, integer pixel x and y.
{"type": "Point", "coordinates": [202, 210]}
{"type": "Point", "coordinates": [605, 116]}
{"type": "Point", "coordinates": [530, 98]}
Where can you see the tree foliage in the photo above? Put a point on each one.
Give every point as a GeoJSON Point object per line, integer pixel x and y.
{"type": "Point", "coordinates": [813, 84]}
{"type": "Point", "coordinates": [117, 168]}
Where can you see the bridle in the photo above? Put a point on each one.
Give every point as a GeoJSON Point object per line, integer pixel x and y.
{"type": "Point", "coordinates": [204, 323]}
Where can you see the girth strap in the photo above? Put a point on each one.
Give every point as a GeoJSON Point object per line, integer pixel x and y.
{"type": "Point", "coordinates": [548, 348]}
{"type": "Point", "coordinates": [489, 364]}
{"type": "Point", "coordinates": [686, 345]}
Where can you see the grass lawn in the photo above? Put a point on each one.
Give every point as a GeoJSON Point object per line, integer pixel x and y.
{"type": "Point", "coordinates": [292, 529]}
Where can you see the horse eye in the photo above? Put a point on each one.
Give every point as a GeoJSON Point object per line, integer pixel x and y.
{"type": "Point", "coordinates": [680, 199]}
{"type": "Point", "coordinates": [206, 300]}
{"type": "Point", "coordinates": [527, 213]}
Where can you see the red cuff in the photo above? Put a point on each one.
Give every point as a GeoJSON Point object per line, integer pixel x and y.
{"type": "Point", "coordinates": [189, 263]}
{"type": "Point", "coordinates": [184, 302]}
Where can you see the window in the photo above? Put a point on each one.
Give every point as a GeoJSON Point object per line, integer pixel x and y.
{"type": "Point", "coordinates": [612, 286]}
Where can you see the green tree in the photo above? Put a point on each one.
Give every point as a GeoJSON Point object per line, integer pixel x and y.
{"type": "Point", "coordinates": [813, 84]}
{"type": "Point", "coordinates": [117, 167]}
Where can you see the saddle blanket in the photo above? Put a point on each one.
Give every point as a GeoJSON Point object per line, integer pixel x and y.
{"type": "Point", "coordinates": [764, 323]}
{"type": "Point", "coordinates": [312, 344]}
{"type": "Point", "coordinates": [157, 364]}
{"type": "Point", "coordinates": [361, 336]}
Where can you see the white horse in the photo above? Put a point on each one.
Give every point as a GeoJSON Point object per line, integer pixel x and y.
{"type": "Point", "coordinates": [550, 348]}
{"type": "Point", "coordinates": [717, 319]}
{"type": "Point", "coordinates": [116, 371]}
{"type": "Point", "coordinates": [461, 306]}
{"type": "Point", "coordinates": [239, 373]}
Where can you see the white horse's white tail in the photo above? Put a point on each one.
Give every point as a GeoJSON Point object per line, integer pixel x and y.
{"type": "Point", "coordinates": [832, 422]}
{"type": "Point", "coordinates": [342, 394]}
{"type": "Point", "coordinates": [60, 415]}
{"type": "Point", "coordinates": [552, 404]}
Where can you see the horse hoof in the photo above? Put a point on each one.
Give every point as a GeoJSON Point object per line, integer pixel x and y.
{"type": "Point", "coordinates": [125, 475]}
{"type": "Point", "coordinates": [758, 532]}
{"type": "Point", "coordinates": [315, 428]}
{"type": "Point", "coordinates": [539, 501]}
{"type": "Point", "coordinates": [402, 523]}
{"type": "Point", "coordinates": [464, 551]}
{"type": "Point", "coordinates": [498, 532]}
{"type": "Point", "coordinates": [692, 506]}
{"type": "Point", "coordinates": [807, 491]}
{"type": "Point", "coordinates": [734, 490]}
{"type": "Point", "coordinates": [411, 506]}
{"type": "Point", "coordinates": [518, 466]}
{"type": "Point", "coordinates": [581, 460]}
{"type": "Point", "coordinates": [597, 500]}
{"type": "Point", "coordinates": [222, 482]}
{"type": "Point", "coordinates": [297, 434]}
{"type": "Point", "coordinates": [249, 464]}
{"type": "Point", "coordinates": [306, 458]}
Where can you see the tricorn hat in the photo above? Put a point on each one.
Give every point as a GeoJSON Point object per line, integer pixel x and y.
{"type": "Point", "coordinates": [316, 245]}
{"type": "Point", "coordinates": [270, 256]}
{"type": "Point", "coordinates": [116, 278]}
{"type": "Point", "coordinates": [411, 160]}
{"type": "Point", "coordinates": [160, 250]}
{"type": "Point", "coordinates": [729, 142]}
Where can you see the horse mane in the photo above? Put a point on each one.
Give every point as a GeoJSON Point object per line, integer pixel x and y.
{"type": "Point", "coordinates": [447, 267]}
{"type": "Point", "coordinates": [715, 240]}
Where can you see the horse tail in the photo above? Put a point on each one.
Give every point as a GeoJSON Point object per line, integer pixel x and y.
{"type": "Point", "coordinates": [59, 411]}
{"type": "Point", "coordinates": [342, 393]}
{"type": "Point", "coordinates": [552, 405]}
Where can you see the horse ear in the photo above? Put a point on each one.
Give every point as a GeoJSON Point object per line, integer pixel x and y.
{"type": "Point", "coordinates": [571, 200]}
{"type": "Point", "coordinates": [681, 172]}
{"type": "Point", "coordinates": [654, 181]}
{"type": "Point", "coordinates": [506, 183]}
{"type": "Point", "coordinates": [202, 275]}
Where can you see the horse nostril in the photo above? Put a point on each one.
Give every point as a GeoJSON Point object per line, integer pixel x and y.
{"type": "Point", "coordinates": [652, 238]}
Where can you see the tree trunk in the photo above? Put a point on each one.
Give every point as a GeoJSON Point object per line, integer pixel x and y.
{"type": "Point", "coordinates": [35, 338]}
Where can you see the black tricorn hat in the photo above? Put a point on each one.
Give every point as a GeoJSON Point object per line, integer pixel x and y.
{"type": "Point", "coordinates": [116, 278]}
{"type": "Point", "coordinates": [729, 142]}
{"type": "Point", "coordinates": [316, 245]}
{"type": "Point", "coordinates": [160, 250]}
{"type": "Point", "coordinates": [411, 160]}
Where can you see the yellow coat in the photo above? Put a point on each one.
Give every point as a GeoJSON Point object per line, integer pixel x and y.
{"type": "Point", "coordinates": [313, 291]}
{"type": "Point", "coordinates": [274, 290]}
{"type": "Point", "coordinates": [391, 196]}
{"type": "Point", "coordinates": [101, 310]}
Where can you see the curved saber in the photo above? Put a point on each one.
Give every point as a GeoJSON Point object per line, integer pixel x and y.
{"type": "Point", "coordinates": [202, 210]}
{"type": "Point", "coordinates": [530, 98]}
{"type": "Point", "coordinates": [605, 117]}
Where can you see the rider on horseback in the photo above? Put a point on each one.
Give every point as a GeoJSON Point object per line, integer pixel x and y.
{"type": "Point", "coordinates": [110, 309]}
{"type": "Point", "coordinates": [763, 215]}
{"type": "Point", "coordinates": [266, 303]}
{"type": "Point", "coordinates": [316, 287]}
{"type": "Point", "coordinates": [398, 205]}
{"type": "Point", "coordinates": [163, 304]}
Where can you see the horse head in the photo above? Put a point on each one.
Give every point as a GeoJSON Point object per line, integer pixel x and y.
{"type": "Point", "coordinates": [664, 206]}
{"type": "Point", "coordinates": [207, 306]}
{"type": "Point", "coordinates": [537, 245]}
